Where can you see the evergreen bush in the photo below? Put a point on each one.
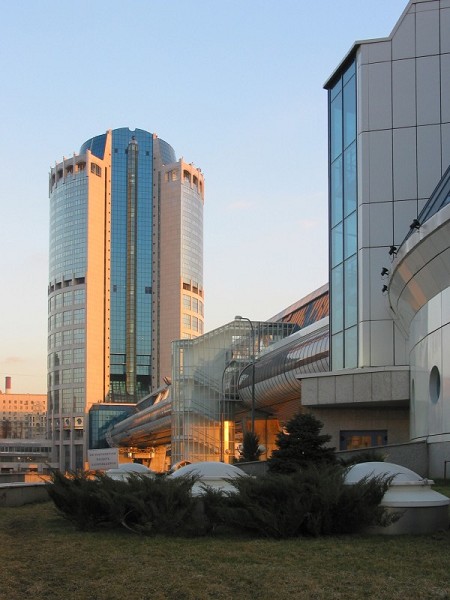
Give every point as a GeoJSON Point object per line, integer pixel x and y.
{"type": "Point", "coordinates": [310, 502]}
{"type": "Point", "coordinates": [142, 504]}
{"type": "Point", "coordinates": [83, 499]}
{"type": "Point", "coordinates": [299, 444]}
{"type": "Point", "coordinates": [250, 448]}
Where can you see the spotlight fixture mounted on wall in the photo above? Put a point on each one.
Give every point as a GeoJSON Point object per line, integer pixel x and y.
{"type": "Point", "coordinates": [393, 251]}
{"type": "Point", "coordinates": [384, 289]}
{"type": "Point", "coordinates": [384, 272]}
{"type": "Point", "coordinates": [415, 224]}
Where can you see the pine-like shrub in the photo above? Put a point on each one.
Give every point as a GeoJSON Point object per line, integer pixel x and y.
{"type": "Point", "coordinates": [250, 448]}
{"type": "Point", "coordinates": [299, 444]}
{"type": "Point", "coordinates": [310, 502]}
{"type": "Point", "coordinates": [160, 506]}
{"type": "Point", "coordinates": [340, 508]}
{"type": "Point", "coordinates": [142, 504]}
{"type": "Point", "coordinates": [271, 506]}
{"type": "Point", "coordinates": [83, 499]}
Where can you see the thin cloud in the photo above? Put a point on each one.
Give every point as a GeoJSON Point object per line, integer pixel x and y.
{"type": "Point", "coordinates": [241, 205]}
{"type": "Point", "coordinates": [12, 360]}
{"type": "Point", "coordinates": [309, 223]}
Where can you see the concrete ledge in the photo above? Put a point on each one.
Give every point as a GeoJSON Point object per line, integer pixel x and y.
{"type": "Point", "coordinates": [18, 494]}
{"type": "Point", "coordinates": [374, 386]}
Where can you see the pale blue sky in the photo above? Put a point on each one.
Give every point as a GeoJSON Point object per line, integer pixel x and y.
{"type": "Point", "coordinates": [235, 86]}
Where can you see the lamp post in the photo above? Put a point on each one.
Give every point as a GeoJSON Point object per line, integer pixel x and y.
{"type": "Point", "coordinates": [239, 318]}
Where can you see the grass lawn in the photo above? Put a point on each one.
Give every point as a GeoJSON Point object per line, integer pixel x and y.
{"type": "Point", "coordinates": [43, 556]}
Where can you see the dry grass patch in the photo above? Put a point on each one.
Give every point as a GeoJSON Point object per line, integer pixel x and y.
{"type": "Point", "coordinates": [43, 556]}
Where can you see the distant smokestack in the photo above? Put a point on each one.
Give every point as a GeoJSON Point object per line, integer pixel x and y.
{"type": "Point", "coordinates": [7, 385]}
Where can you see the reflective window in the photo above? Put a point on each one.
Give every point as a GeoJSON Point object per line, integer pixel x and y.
{"type": "Point", "coordinates": [336, 127]}
{"type": "Point", "coordinates": [351, 307]}
{"type": "Point", "coordinates": [350, 190]}
{"type": "Point", "coordinates": [337, 300]}
{"type": "Point", "coordinates": [350, 348]}
{"type": "Point", "coordinates": [349, 112]}
{"type": "Point", "coordinates": [343, 221]}
{"type": "Point", "coordinates": [336, 245]}
{"type": "Point", "coordinates": [337, 348]}
{"type": "Point", "coordinates": [352, 440]}
{"type": "Point", "coordinates": [131, 259]}
{"type": "Point", "coordinates": [336, 191]}
{"type": "Point", "coordinates": [350, 238]}
{"type": "Point", "coordinates": [100, 420]}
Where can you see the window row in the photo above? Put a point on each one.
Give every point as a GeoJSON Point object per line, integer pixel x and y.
{"type": "Point", "coordinates": [66, 338]}
{"type": "Point", "coordinates": [192, 323]}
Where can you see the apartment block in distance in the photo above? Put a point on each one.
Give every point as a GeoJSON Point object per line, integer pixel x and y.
{"type": "Point", "coordinates": [125, 279]}
{"type": "Point", "coordinates": [22, 416]}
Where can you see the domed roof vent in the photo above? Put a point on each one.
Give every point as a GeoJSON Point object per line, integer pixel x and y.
{"type": "Point", "coordinates": [422, 509]}
{"type": "Point", "coordinates": [401, 475]}
{"type": "Point", "coordinates": [125, 469]}
{"type": "Point", "coordinates": [216, 475]}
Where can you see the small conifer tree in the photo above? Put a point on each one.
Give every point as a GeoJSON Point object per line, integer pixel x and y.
{"type": "Point", "coordinates": [300, 443]}
{"type": "Point", "coordinates": [251, 450]}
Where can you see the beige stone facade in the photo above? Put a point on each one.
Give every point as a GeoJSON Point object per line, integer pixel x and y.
{"type": "Point", "coordinates": [178, 262]}
{"type": "Point", "coordinates": [23, 416]}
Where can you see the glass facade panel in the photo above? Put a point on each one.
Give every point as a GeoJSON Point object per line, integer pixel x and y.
{"type": "Point", "coordinates": [101, 418]}
{"type": "Point", "coordinates": [131, 262]}
{"type": "Point", "coordinates": [350, 239]}
{"type": "Point", "coordinates": [337, 348]}
{"type": "Point", "coordinates": [336, 127]}
{"type": "Point", "coordinates": [349, 112]}
{"type": "Point", "coordinates": [343, 220]}
{"type": "Point", "coordinates": [337, 305]}
{"type": "Point", "coordinates": [336, 89]}
{"type": "Point", "coordinates": [351, 70]}
{"type": "Point", "coordinates": [336, 244]}
{"type": "Point", "coordinates": [352, 440]}
{"type": "Point", "coordinates": [351, 307]}
{"type": "Point", "coordinates": [191, 235]}
{"type": "Point", "coordinates": [350, 190]}
{"type": "Point", "coordinates": [350, 345]}
{"type": "Point", "coordinates": [68, 214]}
{"type": "Point", "coordinates": [204, 387]}
{"type": "Point", "coordinates": [336, 191]}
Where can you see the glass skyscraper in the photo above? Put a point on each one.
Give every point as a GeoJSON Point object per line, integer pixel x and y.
{"type": "Point", "coordinates": [125, 276]}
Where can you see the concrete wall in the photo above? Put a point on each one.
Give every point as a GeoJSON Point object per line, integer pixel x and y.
{"type": "Point", "coordinates": [413, 455]}
{"type": "Point", "coordinates": [17, 494]}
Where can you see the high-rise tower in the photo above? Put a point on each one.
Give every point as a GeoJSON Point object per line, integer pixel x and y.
{"type": "Point", "coordinates": [125, 276]}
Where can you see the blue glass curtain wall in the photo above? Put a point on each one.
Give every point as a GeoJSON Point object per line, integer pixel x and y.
{"type": "Point", "coordinates": [131, 264]}
{"type": "Point", "coordinates": [343, 220]}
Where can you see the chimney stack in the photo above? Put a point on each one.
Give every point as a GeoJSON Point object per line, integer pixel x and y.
{"type": "Point", "coordinates": [7, 385]}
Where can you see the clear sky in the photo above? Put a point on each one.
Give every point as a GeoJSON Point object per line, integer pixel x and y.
{"type": "Point", "coordinates": [235, 86]}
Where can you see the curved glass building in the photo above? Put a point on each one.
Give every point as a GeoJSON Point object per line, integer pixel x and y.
{"type": "Point", "coordinates": [125, 277]}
